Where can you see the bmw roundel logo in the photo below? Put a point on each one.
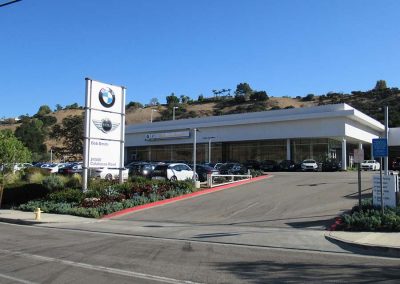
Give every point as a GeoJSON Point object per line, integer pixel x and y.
{"type": "Point", "coordinates": [106, 97]}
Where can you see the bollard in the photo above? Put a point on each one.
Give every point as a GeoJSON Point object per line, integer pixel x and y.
{"type": "Point", "coordinates": [37, 213]}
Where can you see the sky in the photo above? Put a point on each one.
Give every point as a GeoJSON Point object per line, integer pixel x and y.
{"type": "Point", "coordinates": [188, 47]}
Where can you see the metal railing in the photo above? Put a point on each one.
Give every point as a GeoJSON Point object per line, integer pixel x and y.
{"type": "Point", "coordinates": [217, 179]}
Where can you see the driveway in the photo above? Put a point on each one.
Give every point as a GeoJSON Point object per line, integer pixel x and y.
{"type": "Point", "coordinates": [286, 200]}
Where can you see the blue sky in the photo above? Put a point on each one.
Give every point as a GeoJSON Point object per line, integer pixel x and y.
{"type": "Point", "coordinates": [156, 47]}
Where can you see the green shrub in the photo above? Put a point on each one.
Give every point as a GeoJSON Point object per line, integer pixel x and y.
{"type": "Point", "coordinates": [256, 173]}
{"type": "Point", "coordinates": [67, 195]}
{"type": "Point", "coordinates": [12, 178]}
{"type": "Point", "coordinates": [54, 182]}
{"type": "Point", "coordinates": [74, 181]}
{"type": "Point", "coordinates": [34, 175]}
{"type": "Point", "coordinates": [16, 194]}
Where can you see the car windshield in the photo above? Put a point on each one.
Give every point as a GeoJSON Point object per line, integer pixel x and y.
{"type": "Point", "coordinates": [309, 161]}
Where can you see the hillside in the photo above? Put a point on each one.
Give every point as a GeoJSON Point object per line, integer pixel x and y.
{"type": "Point", "coordinates": [369, 102]}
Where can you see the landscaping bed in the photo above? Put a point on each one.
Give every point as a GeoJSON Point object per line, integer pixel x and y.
{"type": "Point", "coordinates": [104, 198]}
{"type": "Point", "coordinates": [371, 219]}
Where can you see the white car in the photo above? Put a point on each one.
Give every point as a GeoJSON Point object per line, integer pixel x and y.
{"type": "Point", "coordinates": [172, 172]}
{"type": "Point", "coordinates": [52, 168]}
{"type": "Point", "coordinates": [109, 173]}
{"type": "Point", "coordinates": [309, 165]}
{"type": "Point", "coordinates": [370, 165]}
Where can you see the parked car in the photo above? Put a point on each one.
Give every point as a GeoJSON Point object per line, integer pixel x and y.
{"type": "Point", "coordinates": [71, 169]}
{"type": "Point", "coordinates": [108, 173]}
{"type": "Point", "coordinates": [204, 170]}
{"type": "Point", "coordinates": [140, 169]}
{"type": "Point", "coordinates": [309, 165]}
{"type": "Point", "coordinates": [252, 164]}
{"type": "Point", "coordinates": [172, 172]}
{"type": "Point", "coordinates": [370, 165]}
{"type": "Point", "coordinates": [269, 166]}
{"type": "Point", "coordinates": [233, 169]}
{"type": "Point", "coordinates": [396, 164]}
{"type": "Point", "coordinates": [287, 165]}
{"type": "Point", "coordinates": [51, 168]}
{"type": "Point", "coordinates": [331, 165]}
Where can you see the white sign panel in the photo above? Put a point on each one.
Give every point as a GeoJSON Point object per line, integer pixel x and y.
{"type": "Point", "coordinates": [358, 156]}
{"type": "Point", "coordinates": [168, 135]}
{"type": "Point", "coordinates": [389, 190]}
{"type": "Point", "coordinates": [106, 97]}
{"type": "Point", "coordinates": [105, 125]}
{"type": "Point", "coordinates": [104, 154]}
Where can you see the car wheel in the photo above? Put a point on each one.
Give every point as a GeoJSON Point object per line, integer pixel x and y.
{"type": "Point", "coordinates": [108, 177]}
{"type": "Point", "coordinates": [173, 178]}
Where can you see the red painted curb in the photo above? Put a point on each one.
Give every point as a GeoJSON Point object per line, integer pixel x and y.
{"type": "Point", "coordinates": [185, 196]}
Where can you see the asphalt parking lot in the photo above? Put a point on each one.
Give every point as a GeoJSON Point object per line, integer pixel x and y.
{"type": "Point", "coordinates": [295, 200]}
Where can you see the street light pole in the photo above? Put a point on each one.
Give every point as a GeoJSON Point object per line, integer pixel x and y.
{"type": "Point", "coordinates": [194, 153]}
{"type": "Point", "coordinates": [209, 147]}
{"type": "Point", "coordinates": [173, 112]}
{"type": "Point", "coordinates": [386, 159]}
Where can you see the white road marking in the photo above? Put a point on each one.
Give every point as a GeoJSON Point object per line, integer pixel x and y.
{"type": "Point", "coordinates": [95, 267]}
{"type": "Point", "coordinates": [16, 279]}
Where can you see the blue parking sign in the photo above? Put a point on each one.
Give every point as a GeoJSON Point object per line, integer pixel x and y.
{"type": "Point", "coordinates": [379, 147]}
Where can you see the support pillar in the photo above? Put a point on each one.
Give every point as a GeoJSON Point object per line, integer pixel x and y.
{"type": "Point", "coordinates": [288, 153]}
{"type": "Point", "coordinates": [344, 155]}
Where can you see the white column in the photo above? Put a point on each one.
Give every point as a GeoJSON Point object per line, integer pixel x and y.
{"type": "Point", "coordinates": [360, 146]}
{"type": "Point", "coordinates": [344, 155]}
{"type": "Point", "coordinates": [288, 153]}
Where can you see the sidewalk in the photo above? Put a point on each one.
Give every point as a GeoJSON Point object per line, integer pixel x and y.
{"type": "Point", "coordinates": [377, 241]}
{"type": "Point", "coordinates": [28, 218]}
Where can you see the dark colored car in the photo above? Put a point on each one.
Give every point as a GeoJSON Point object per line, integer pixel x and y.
{"type": "Point", "coordinates": [71, 169]}
{"type": "Point", "coordinates": [140, 169]}
{"type": "Point", "coordinates": [331, 165]}
{"type": "Point", "coordinates": [396, 164]}
{"type": "Point", "coordinates": [233, 169]}
{"type": "Point", "coordinates": [252, 164]}
{"type": "Point", "coordinates": [269, 166]}
{"type": "Point", "coordinates": [204, 170]}
{"type": "Point", "coordinates": [288, 165]}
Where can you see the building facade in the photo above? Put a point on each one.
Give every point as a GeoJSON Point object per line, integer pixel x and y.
{"type": "Point", "coordinates": [321, 132]}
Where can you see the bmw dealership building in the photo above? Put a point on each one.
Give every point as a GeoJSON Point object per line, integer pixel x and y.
{"type": "Point", "coordinates": [321, 132]}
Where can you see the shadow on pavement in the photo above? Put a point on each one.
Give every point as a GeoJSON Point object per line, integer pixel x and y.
{"type": "Point", "coordinates": [324, 223]}
{"type": "Point", "coordinates": [310, 271]}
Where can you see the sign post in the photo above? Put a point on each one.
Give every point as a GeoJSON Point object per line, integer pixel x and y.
{"type": "Point", "coordinates": [104, 128]}
{"type": "Point", "coordinates": [359, 158]}
{"type": "Point", "coordinates": [380, 149]}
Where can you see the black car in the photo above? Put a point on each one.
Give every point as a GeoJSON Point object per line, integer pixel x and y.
{"type": "Point", "coordinates": [396, 164]}
{"type": "Point", "coordinates": [140, 169]}
{"type": "Point", "coordinates": [288, 165]}
{"type": "Point", "coordinates": [233, 169]}
{"type": "Point", "coordinates": [204, 170]}
{"type": "Point", "coordinates": [269, 166]}
{"type": "Point", "coordinates": [331, 165]}
{"type": "Point", "coordinates": [252, 164]}
{"type": "Point", "coordinates": [71, 169]}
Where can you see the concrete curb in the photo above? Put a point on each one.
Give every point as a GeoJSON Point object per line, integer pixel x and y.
{"type": "Point", "coordinates": [375, 249]}
{"type": "Point", "coordinates": [182, 197]}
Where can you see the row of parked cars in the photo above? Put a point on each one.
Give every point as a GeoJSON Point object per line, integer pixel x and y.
{"type": "Point", "coordinates": [289, 165]}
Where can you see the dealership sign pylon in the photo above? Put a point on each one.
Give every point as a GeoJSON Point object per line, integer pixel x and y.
{"type": "Point", "coordinates": [104, 128]}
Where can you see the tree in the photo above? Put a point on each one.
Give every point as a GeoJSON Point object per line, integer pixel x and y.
{"type": "Point", "coordinates": [11, 151]}
{"type": "Point", "coordinates": [172, 99]}
{"type": "Point", "coordinates": [259, 96]}
{"type": "Point", "coordinates": [380, 85]}
{"type": "Point", "coordinates": [32, 135]}
{"type": "Point", "coordinates": [201, 98]}
{"type": "Point", "coordinates": [70, 133]}
{"type": "Point", "coordinates": [308, 98]}
{"type": "Point", "coordinates": [43, 110]}
{"type": "Point", "coordinates": [244, 89]}
{"type": "Point", "coordinates": [58, 107]}
{"type": "Point", "coordinates": [134, 105]}
{"type": "Point", "coordinates": [154, 102]}
{"type": "Point", "coordinates": [184, 99]}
